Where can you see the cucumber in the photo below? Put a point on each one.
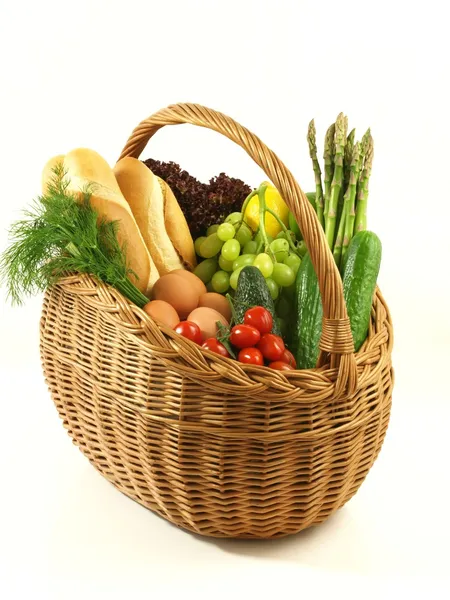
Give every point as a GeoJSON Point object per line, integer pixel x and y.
{"type": "Point", "coordinates": [359, 282]}
{"type": "Point", "coordinates": [308, 311]}
{"type": "Point", "coordinates": [360, 275]}
{"type": "Point", "coordinates": [252, 291]}
{"type": "Point", "coordinates": [293, 225]}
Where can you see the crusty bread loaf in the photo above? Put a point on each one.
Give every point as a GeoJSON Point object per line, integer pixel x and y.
{"type": "Point", "coordinates": [177, 227]}
{"type": "Point", "coordinates": [158, 216]}
{"type": "Point", "coordinates": [87, 169]}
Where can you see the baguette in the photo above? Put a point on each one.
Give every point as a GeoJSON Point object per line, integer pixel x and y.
{"type": "Point", "coordinates": [86, 169]}
{"type": "Point", "coordinates": [158, 215]}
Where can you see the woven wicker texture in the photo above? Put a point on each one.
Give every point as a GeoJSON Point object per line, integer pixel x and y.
{"type": "Point", "coordinates": [217, 447]}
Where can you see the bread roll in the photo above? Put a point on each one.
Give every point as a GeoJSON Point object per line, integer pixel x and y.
{"type": "Point", "coordinates": [86, 169]}
{"type": "Point", "coordinates": [177, 227]}
{"type": "Point", "coordinates": [158, 216]}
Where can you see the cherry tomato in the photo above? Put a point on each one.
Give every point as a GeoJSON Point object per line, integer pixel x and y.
{"type": "Point", "coordinates": [215, 346]}
{"type": "Point", "coordinates": [189, 330]}
{"type": "Point", "coordinates": [260, 318]}
{"type": "Point", "coordinates": [288, 357]}
{"type": "Point", "coordinates": [272, 346]}
{"type": "Point", "coordinates": [280, 365]}
{"type": "Point", "coordinates": [243, 336]}
{"type": "Point", "coordinates": [251, 356]}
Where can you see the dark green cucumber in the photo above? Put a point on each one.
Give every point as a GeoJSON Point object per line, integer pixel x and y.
{"type": "Point", "coordinates": [252, 291]}
{"type": "Point", "coordinates": [360, 279]}
{"type": "Point", "coordinates": [308, 311]}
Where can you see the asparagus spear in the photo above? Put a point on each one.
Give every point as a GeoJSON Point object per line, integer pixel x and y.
{"type": "Point", "coordinates": [328, 156]}
{"type": "Point", "coordinates": [339, 144]}
{"type": "Point", "coordinates": [317, 171]}
{"type": "Point", "coordinates": [350, 222]}
{"type": "Point", "coordinates": [363, 187]}
{"type": "Point", "coordinates": [363, 152]}
{"type": "Point", "coordinates": [344, 183]}
{"type": "Point", "coordinates": [345, 232]}
{"type": "Point", "coordinates": [348, 156]}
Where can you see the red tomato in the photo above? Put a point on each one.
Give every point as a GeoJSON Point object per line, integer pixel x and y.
{"type": "Point", "coordinates": [272, 346]}
{"type": "Point", "coordinates": [215, 346]}
{"type": "Point", "coordinates": [243, 336]}
{"type": "Point", "coordinates": [280, 365]}
{"type": "Point", "coordinates": [189, 330]}
{"type": "Point", "coordinates": [260, 318]}
{"type": "Point", "coordinates": [289, 358]}
{"type": "Point", "coordinates": [251, 356]}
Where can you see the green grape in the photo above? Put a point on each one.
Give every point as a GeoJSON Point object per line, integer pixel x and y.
{"type": "Point", "coordinates": [209, 287]}
{"type": "Point", "coordinates": [283, 275]}
{"type": "Point", "coordinates": [284, 307]}
{"type": "Point", "coordinates": [273, 288]}
{"type": "Point", "coordinates": [243, 260]}
{"type": "Point", "coordinates": [302, 249]}
{"type": "Point", "coordinates": [234, 278]}
{"type": "Point", "coordinates": [250, 247]}
{"type": "Point", "coordinates": [244, 234]}
{"type": "Point", "coordinates": [225, 232]}
{"type": "Point", "coordinates": [212, 229]}
{"type": "Point", "coordinates": [234, 218]}
{"type": "Point", "coordinates": [283, 235]}
{"type": "Point", "coordinates": [231, 249]}
{"type": "Point", "coordinates": [206, 269]}
{"type": "Point", "coordinates": [198, 242]}
{"type": "Point", "coordinates": [220, 282]}
{"type": "Point", "coordinates": [279, 245]}
{"type": "Point", "coordinates": [280, 249]}
{"type": "Point", "coordinates": [259, 239]}
{"type": "Point", "coordinates": [211, 246]}
{"type": "Point", "coordinates": [225, 265]}
{"type": "Point", "coordinates": [293, 261]}
{"type": "Point", "coordinates": [281, 256]}
{"type": "Point", "coordinates": [264, 263]}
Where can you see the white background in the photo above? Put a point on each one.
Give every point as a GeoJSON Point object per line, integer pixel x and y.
{"type": "Point", "coordinates": [85, 73]}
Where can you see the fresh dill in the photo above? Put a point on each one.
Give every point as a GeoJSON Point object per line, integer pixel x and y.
{"type": "Point", "coordinates": [62, 234]}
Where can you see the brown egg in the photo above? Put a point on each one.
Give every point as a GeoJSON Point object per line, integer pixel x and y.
{"type": "Point", "coordinates": [193, 279]}
{"type": "Point", "coordinates": [163, 312]}
{"type": "Point", "coordinates": [206, 319]}
{"type": "Point", "coordinates": [178, 292]}
{"type": "Point", "coordinates": [217, 302]}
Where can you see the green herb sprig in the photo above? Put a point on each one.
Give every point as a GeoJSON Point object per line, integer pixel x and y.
{"type": "Point", "coordinates": [62, 234]}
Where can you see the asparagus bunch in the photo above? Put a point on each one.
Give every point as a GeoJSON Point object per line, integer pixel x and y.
{"type": "Point", "coordinates": [342, 201]}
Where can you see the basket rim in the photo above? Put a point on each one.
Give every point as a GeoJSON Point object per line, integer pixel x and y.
{"type": "Point", "coordinates": [147, 332]}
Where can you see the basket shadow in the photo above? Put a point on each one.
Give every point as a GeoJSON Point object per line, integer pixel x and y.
{"type": "Point", "coordinates": [337, 544]}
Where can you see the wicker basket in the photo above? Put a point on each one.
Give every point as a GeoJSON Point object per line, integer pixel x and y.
{"type": "Point", "coordinates": [217, 447]}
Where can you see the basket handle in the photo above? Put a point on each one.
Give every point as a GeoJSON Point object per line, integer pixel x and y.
{"type": "Point", "coordinates": [336, 341]}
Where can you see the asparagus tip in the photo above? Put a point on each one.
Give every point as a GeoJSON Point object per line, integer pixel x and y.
{"type": "Point", "coordinates": [312, 139]}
